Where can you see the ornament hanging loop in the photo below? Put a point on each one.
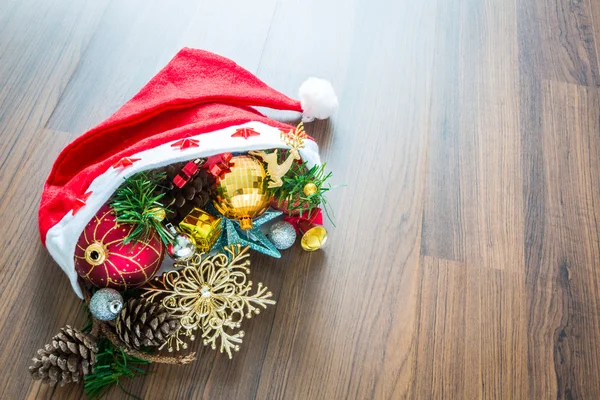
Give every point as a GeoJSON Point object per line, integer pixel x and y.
{"type": "Point", "coordinates": [95, 254]}
{"type": "Point", "coordinates": [246, 223]}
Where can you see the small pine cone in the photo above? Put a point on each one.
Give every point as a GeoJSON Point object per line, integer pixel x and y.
{"type": "Point", "coordinates": [196, 193]}
{"type": "Point", "coordinates": [70, 357]}
{"type": "Point", "coordinates": [145, 323]}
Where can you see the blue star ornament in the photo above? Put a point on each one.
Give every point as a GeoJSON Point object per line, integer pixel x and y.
{"type": "Point", "coordinates": [231, 233]}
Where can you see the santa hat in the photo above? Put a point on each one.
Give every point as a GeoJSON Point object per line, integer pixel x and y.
{"type": "Point", "coordinates": [200, 104]}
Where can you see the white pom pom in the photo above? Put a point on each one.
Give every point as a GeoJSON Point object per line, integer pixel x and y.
{"type": "Point", "coordinates": [317, 98]}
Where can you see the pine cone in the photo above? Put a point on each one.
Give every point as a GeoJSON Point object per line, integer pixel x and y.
{"type": "Point", "coordinates": [70, 357]}
{"type": "Point", "coordinates": [145, 323]}
{"type": "Point", "coordinates": [196, 193]}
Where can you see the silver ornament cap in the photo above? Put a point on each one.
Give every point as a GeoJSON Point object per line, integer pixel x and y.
{"type": "Point", "coordinates": [106, 304]}
{"type": "Point", "coordinates": [282, 234]}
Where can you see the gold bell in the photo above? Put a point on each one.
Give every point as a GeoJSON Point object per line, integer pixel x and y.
{"type": "Point", "coordinates": [314, 238]}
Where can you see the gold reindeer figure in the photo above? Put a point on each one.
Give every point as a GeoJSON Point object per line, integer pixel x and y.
{"type": "Point", "coordinates": [295, 139]}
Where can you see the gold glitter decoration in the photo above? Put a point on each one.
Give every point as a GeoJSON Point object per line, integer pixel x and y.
{"type": "Point", "coordinates": [295, 139]}
{"type": "Point", "coordinates": [242, 193]}
{"type": "Point", "coordinates": [211, 294]}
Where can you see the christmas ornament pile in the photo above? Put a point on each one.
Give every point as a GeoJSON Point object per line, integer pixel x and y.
{"type": "Point", "coordinates": [154, 213]}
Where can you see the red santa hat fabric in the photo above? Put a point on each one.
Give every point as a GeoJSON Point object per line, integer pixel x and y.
{"type": "Point", "coordinates": [200, 104]}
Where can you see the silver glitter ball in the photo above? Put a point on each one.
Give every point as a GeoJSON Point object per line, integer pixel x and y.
{"type": "Point", "coordinates": [282, 234]}
{"type": "Point", "coordinates": [183, 249]}
{"type": "Point", "coordinates": [106, 304]}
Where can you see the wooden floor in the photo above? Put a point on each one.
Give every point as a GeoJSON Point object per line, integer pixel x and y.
{"type": "Point", "coordinates": [465, 261]}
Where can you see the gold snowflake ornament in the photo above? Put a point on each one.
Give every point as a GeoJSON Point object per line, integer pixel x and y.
{"type": "Point", "coordinates": [210, 293]}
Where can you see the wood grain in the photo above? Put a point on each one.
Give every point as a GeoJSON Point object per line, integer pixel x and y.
{"type": "Point", "coordinates": [351, 312]}
{"type": "Point", "coordinates": [465, 259]}
{"type": "Point", "coordinates": [562, 277]}
{"type": "Point", "coordinates": [471, 332]}
{"type": "Point", "coordinates": [122, 56]}
{"type": "Point", "coordinates": [474, 194]}
{"type": "Point", "coordinates": [565, 40]}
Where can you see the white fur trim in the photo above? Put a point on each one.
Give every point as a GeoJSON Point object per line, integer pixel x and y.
{"type": "Point", "coordinates": [62, 238]}
{"type": "Point", "coordinates": [317, 98]}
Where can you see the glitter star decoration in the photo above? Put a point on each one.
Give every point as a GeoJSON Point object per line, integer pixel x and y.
{"type": "Point", "coordinates": [231, 233]}
{"type": "Point", "coordinates": [211, 294]}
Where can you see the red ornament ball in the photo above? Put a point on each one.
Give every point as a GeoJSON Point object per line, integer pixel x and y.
{"type": "Point", "coordinates": [103, 260]}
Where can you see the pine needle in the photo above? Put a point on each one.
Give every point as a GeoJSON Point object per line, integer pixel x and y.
{"type": "Point", "coordinates": [137, 202]}
{"type": "Point", "coordinates": [89, 321]}
{"type": "Point", "coordinates": [112, 364]}
{"type": "Point", "coordinates": [292, 189]}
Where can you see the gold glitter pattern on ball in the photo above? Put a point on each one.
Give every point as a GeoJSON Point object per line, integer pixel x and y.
{"type": "Point", "coordinates": [242, 193]}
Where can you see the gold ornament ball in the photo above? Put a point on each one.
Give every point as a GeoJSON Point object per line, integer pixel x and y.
{"type": "Point", "coordinates": [158, 213]}
{"type": "Point", "coordinates": [242, 193]}
{"type": "Point", "coordinates": [310, 189]}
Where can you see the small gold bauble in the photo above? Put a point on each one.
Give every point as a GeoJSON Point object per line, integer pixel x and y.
{"type": "Point", "coordinates": [158, 213]}
{"type": "Point", "coordinates": [314, 238]}
{"type": "Point", "coordinates": [242, 193]}
{"type": "Point", "coordinates": [310, 189]}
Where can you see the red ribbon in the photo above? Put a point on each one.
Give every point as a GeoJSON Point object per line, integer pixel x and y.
{"type": "Point", "coordinates": [305, 221]}
{"type": "Point", "coordinates": [187, 172]}
{"type": "Point", "coordinates": [219, 164]}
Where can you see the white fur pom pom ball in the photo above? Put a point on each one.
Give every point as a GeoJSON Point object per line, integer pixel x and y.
{"type": "Point", "coordinates": [317, 98]}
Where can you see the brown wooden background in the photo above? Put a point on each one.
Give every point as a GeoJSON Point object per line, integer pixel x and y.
{"type": "Point", "coordinates": [465, 259]}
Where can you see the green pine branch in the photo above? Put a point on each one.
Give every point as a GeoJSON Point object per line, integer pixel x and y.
{"type": "Point", "coordinates": [112, 364]}
{"type": "Point", "coordinates": [137, 202]}
{"type": "Point", "coordinates": [89, 321]}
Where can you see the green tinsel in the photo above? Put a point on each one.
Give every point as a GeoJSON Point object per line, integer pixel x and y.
{"type": "Point", "coordinates": [292, 189]}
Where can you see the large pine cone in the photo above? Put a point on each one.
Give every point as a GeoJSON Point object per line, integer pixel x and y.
{"type": "Point", "coordinates": [145, 323]}
{"type": "Point", "coordinates": [69, 358]}
{"type": "Point", "coordinates": [196, 193]}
